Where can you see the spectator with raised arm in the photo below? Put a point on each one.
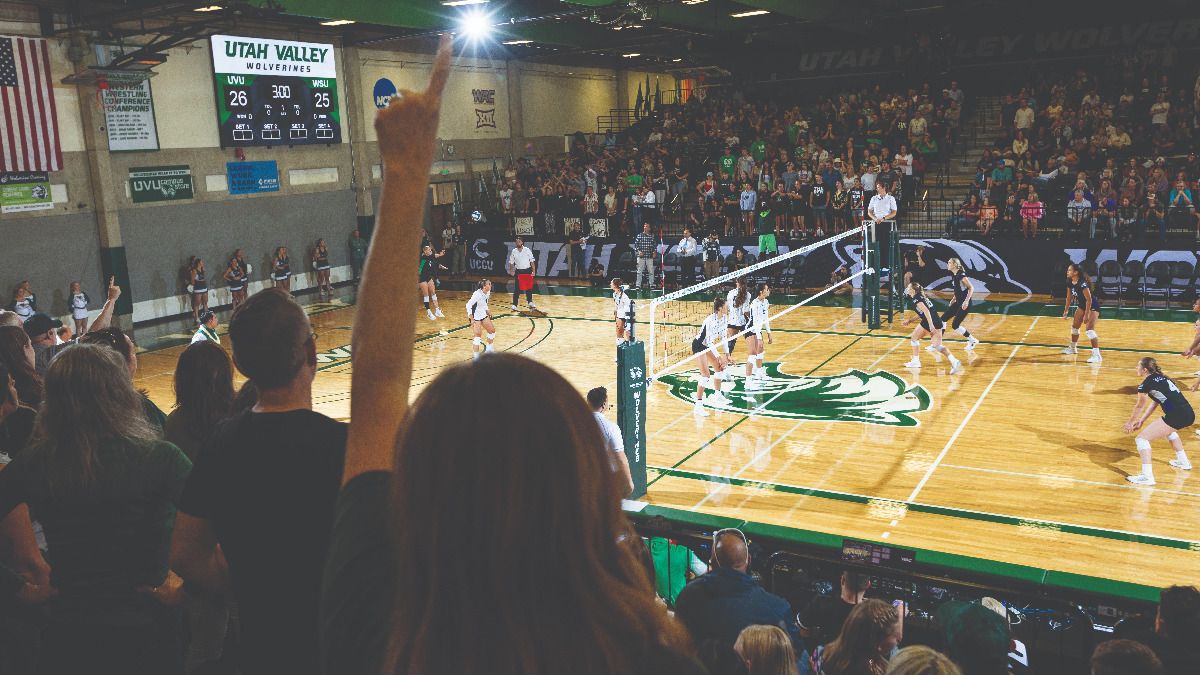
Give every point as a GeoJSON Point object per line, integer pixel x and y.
{"type": "Point", "coordinates": [393, 608]}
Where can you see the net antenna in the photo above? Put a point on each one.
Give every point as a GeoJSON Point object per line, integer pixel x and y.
{"type": "Point", "coordinates": [671, 332]}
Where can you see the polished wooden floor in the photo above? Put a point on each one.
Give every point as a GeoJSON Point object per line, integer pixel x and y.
{"type": "Point", "coordinates": [1020, 458]}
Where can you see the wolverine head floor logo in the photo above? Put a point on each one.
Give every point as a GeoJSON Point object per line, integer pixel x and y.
{"type": "Point", "coordinates": [853, 396]}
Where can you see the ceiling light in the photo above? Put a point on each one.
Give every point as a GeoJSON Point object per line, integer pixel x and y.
{"type": "Point", "coordinates": [210, 8]}
{"type": "Point", "coordinates": [694, 2]}
{"type": "Point", "coordinates": [630, 56]}
{"type": "Point", "coordinates": [676, 60]}
{"type": "Point", "coordinates": [338, 22]}
{"type": "Point", "coordinates": [518, 42]}
{"type": "Point", "coordinates": [475, 25]}
{"type": "Point", "coordinates": [461, 3]}
{"type": "Point", "coordinates": [753, 12]}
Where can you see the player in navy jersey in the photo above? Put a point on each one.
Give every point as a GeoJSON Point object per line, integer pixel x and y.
{"type": "Point", "coordinates": [427, 272]}
{"type": "Point", "coordinates": [1158, 390]}
{"type": "Point", "coordinates": [1087, 312]}
{"type": "Point", "coordinates": [707, 346]}
{"type": "Point", "coordinates": [960, 306]}
{"type": "Point", "coordinates": [931, 325]}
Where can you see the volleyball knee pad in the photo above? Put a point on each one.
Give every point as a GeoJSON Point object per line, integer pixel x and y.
{"type": "Point", "coordinates": [1174, 436]}
{"type": "Point", "coordinates": [491, 336]}
{"type": "Point", "coordinates": [477, 341]}
{"type": "Point", "coordinates": [915, 343]}
{"type": "Point", "coordinates": [1142, 444]}
{"type": "Point", "coordinates": [1074, 332]}
{"type": "Point", "coordinates": [1091, 335]}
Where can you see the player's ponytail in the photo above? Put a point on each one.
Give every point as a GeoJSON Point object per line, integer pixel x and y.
{"type": "Point", "coordinates": [1150, 364]}
{"type": "Point", "coordinates": [917, 288]}
{"type": "Point", "coordinates": [718, 304]}
{"type": "Point", "coordinates": [742, 292]}
{"type": "Point", "coordinates": [481, 284]}
{"type": "Point", "coordinates": [758, 289]}
{"type": "Point", "coordinates": [955, 262]}
{"type": "Point", "coordinates": [1083, 275]}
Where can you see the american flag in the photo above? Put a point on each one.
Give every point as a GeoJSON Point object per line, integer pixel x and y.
{"type": "Point", "coordinates": [29, 138]}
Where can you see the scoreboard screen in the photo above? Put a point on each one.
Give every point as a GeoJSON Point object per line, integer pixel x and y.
{"type": "Point", "coordinates": [275, 92]}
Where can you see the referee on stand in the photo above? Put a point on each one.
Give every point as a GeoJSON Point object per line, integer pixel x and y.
{"type": "Point", "coordinates": [882, 209]}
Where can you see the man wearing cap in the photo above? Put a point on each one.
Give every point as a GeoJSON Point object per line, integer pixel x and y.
{"type": "Point", "coordinates": [975, 637]}
{"type": "Point", "coordinates": [42, 330]}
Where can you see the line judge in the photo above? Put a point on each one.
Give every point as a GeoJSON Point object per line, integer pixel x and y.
{"type": "Point", "coordinates": [520, 265]}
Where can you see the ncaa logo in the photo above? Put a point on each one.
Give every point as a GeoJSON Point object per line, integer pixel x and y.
{"type": "Point", "coordinates": [384, 92]}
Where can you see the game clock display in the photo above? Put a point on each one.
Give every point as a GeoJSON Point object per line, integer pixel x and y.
{"type": "Point", "coordinates": [284, 94]}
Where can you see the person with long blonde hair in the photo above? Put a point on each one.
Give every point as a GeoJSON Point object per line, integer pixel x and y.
{"type": "Point", "coordinates": [866, 642]}
{"type": "Point", "coordinates": [1158, 390]}
{"type": "Point", "coordinates": [440, 559]}
{"type": "Point", "coordinates": [921, 660]}
{"type": "Point", "coordinates": [766, 650]}
{"type": "Point", "coordinates": [104, 489]}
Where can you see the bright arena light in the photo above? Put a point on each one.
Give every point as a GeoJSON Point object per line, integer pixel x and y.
{"type": "Point", "coordinates": [475, 25]}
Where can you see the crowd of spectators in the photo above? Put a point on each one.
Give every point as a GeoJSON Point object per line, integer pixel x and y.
{"type": "Point", "coordinates": [248, 533]}
{"type": "Point", "coordinates": [739, 166]}
{"type": "Point", "coordinates": [1094, 153]}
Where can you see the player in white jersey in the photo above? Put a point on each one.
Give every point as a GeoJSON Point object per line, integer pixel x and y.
{"type": "Point", "coordinates": [481, 319]}
{"type": "Point", "coordinates": [738, 302]}
{"type": "Point", "coordinates": [759, 311]}
{"type": "Point", "coordinates": [79, 307]}
{"type": "Point", "coordinates": [623, 311]}
{"type": "Point", "coordinates": [711, 347]}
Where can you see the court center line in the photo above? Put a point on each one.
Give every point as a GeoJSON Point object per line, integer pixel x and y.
{"type": "Point", "coordinates": [970, 413]}
{"type": "Point", "coordinates": [1067, 479]}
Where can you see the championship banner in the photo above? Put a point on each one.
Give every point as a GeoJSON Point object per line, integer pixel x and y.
{"type": "Point", "coordinates": [275, 92]}
{"type": "Point", "coordinates": [25, 191]}
{"type": "Point", "coordinates": [128, 109]}
{"type": "Point", "coordinates": [252, 177]}
{"type": "Point", "coordinates": [631, 410]}
{"type": "Point", "coordinates": [523, 226]}
{"type": "Point", "coordinates": [160, 183]}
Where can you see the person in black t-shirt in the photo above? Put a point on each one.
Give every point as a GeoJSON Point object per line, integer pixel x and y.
{"type": "Point", "coordinates": [822, 620]}
{"type": "Point", "coordinates": [1158, 391]}
{"type": "Point", "coordinates": [256, 511]}
{"type": "Point", "coordinates": [439, 562]}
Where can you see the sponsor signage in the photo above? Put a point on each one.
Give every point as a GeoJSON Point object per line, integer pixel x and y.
{"type": "Point", "coordinates": [251, 177]}
{"type": "Point", "coordinates": [25, 191]}
{"type": "Point", "coordinates": [160, 183]}
{"type": "Point", "coordinates": [631, 410]}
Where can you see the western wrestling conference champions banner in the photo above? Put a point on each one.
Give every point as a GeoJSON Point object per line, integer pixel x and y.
{"type": "Point", "coordinates": [1015, 267]}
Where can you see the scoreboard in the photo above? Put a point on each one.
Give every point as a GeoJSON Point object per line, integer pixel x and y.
{"type": "Point", "coordinates": [275, 92]}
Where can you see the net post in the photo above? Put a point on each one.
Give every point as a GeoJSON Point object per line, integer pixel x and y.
{"type": "Point", "coordinates": [632, 391]}
{"type": "Point", "coordinates": [895, 272]}
{"type": "Point", "coordinates": [653, 343]}
{"type": "Point", "coordinates": [871, 279]}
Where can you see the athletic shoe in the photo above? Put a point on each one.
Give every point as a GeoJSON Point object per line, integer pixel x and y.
{"type": "Point", "coordinates": [699, 409]}
{"type": "Point", "coordinates": [1180, 465]}
{"type": "Point", "coordinates": [956, 367]}
{"type": "Point", "coordinates": [429, 313]}
{"type": "Point", "coordinates": [514, 308]}
{"type": "Point", "coordinates": [1140, 479]}
{"type": "Point", "coordinates": [1070, 350]}
{"type": "Point", "coordinates": [718, 398]}
{"type": "Point", "coordinates": [971, 342]}
{"type": "Point", "coordinates": [532, 307]}
{"type": "Point", "coordinates": [1094, 358]}
{"type": "Point", "coordinates": [438, 313]}
{"type": "Point", "coordinates": [915, 363]}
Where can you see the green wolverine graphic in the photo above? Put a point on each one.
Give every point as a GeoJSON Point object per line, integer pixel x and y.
{"type": "Point", "coordinates": [853, 396]}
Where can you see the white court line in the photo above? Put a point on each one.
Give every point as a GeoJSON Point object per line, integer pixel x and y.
{"type": "Point", "coordinates": [970, 413]}
{"type": "Point", "coordinates": [1124, 486]}
{"type": "Point", "coordinates": [788, 433]}
{"type": "Point", "coordinates": [990, 514]}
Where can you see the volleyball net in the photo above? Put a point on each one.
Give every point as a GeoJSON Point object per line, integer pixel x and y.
{"type": "Point", "coordinates": [675, 318]}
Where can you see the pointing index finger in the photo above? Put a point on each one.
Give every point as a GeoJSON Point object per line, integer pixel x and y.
{"type": "Point", "coordinates": [441, 67]}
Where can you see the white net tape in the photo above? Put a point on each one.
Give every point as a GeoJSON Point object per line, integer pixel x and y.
{"type": "Point", "coordinates": [676, 317]}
